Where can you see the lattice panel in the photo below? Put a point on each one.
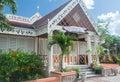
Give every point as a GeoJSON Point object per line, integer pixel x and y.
{"type": "Point", "coordinates": [56, 62]}
{"type": "Point", "coordinates": [83, 59]}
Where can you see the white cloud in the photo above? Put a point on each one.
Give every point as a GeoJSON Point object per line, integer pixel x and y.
{"type": "Point", "coordinates": [114, 18]}
{"type": "Point", "coordinates": [89, 3]}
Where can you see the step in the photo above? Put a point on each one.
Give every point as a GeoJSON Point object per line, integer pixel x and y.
{"type": "Point", "coordinates": [93, 75]}
{"type": "Point", "coordinates": [79, 66]}
{"type": "Point", "coordinates": [88, 72]}
{"type": "Point", "coordinates": [84, 70]}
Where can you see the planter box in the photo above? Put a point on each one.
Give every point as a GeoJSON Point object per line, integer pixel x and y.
{"type": "Point", "coordinates": [98, 71]}
{"type": "Point", "coordinates": [66, 76]}
{"type": "Point", "coordinates": [58, 77]}
{"type": "Point", "coordinates": [51, 79]}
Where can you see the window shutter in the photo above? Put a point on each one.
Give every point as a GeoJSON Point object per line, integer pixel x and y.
{"type": "Point", "coordinates": [21, 43]}
{"type": "Point", "coordinates": [3, 43]}
{"type": "Point", "coordinates": [30, 45]}
{"type": "Point", "coordinates": [12, 43]}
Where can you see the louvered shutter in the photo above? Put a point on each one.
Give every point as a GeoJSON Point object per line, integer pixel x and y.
{"type": "Point", "coordinates": [21, 43]}
{"type": "Point", "coordinates": [3, 43]}
{"type": "Point", "coordinates": [12, 43]}
{"type": "Point", "coordinates": [30, 44]}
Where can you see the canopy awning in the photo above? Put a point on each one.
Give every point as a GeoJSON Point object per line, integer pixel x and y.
{"type": "Point", "coordinates": [75, 29]}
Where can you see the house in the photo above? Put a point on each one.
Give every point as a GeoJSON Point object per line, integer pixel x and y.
{"type": "Point", "coordinates": [32, 34]}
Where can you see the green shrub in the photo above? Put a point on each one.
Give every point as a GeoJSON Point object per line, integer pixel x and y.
{"type": "Point", "coordinates": [98, 67]}
{"type": "Point", "coordinates": [118, 60]}
{"type": "Point", "coordinates": [16, 66]}
{"type": "Point", "coordinates": [76, 69]}
{"type": "Point", "coordinates": [71, 69]}
{"type": "Point", "coordinates": [65, 69]}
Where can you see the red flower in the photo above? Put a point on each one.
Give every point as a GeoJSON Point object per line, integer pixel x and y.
{"type": "Point", "coordinates": [14, 55]}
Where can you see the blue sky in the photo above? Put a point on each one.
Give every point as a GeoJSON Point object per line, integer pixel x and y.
{"type": "Point", "coordinates": [99, 9]}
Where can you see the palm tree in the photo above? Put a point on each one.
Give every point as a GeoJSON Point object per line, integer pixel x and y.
{"type": "Point", "coordinates": [4, 23]}
{"type": "Point", "coordinates": [64, 42]}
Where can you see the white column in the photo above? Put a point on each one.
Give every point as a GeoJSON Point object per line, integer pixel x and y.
{"type": "Point", "coordinates": [50, 54]}
{"type": "Point", "coordinates": [36, 44]}
{"type": "Point", "coordinates": [89, 48]}
{"type": "Point", "coordinates": [95, 47]}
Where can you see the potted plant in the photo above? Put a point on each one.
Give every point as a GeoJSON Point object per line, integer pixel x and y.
{"type": "Point", "coordinates": [98, 69]}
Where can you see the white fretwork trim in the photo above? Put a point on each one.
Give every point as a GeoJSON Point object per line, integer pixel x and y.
{"type": "Point", "coordinates": [84, 8]}
{"type": "Point", "coordinates": [42, 30]}
{"type": "Point", "coordinates": [21, 19]}
{"type": "Point", "coordinates": [55, 20]}
{"type": "Point", "coordinates": [20, 31]}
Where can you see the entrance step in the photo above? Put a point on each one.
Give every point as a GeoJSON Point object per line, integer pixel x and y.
{"type": "Point", "coordinates": [85, 69]}
{"type": "Point", "coordinates": [88, 71]}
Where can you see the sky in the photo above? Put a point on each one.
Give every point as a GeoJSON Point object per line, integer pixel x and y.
{"type": "Point", "coordinates": [99, 9]}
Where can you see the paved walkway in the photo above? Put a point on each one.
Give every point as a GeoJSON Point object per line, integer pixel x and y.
{"type": "Point", "coordinates": [104, 79]}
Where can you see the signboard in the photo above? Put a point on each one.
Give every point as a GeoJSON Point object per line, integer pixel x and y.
{"type": "Point", "coordinates": [75, 29]}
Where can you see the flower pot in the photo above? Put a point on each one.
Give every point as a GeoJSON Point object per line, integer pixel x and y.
{"type": "Point", "coordinates": [115, 71]}
{"type": "Point", "coordinates": [83, 77]}
{"type": "Point", "coordinates": [98, 71]}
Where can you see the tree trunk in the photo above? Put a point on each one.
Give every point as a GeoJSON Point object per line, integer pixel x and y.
{"type": "Point", "coordinates": [61, 62]}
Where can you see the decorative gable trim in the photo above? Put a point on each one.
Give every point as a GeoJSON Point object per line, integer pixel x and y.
{"type": "Point", "coordinates": [87, 14]}
{"type": "Point", "coordinates": [65, 11]}
{"type": "Point", "coordinates": [55, 20]}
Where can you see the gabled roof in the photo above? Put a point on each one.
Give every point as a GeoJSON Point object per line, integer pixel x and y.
{"type": "Point", "coordinates": [84, 22]}
{"type": "Point", "coordinates": [44, 20]}
{"type": "Point", "coordinates": [68, 20]}
{"type": "Point", "coordinates": [77, 18]}
{"type": "Point", "coordinates": [18, 24]}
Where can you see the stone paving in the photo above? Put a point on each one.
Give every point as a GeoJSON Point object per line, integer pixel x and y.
{"type": "Point", "coordinates": [104, 79]}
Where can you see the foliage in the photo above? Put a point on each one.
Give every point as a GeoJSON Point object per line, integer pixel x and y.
{"type": "Point", "coordinates": [71, 69]}
{"type": "Point", "coordinates": [88, 51]}
{"type": "Point", "coordinates": [76, 69]}
{"type": "Point", "coordinates": [110, 40]}
{"type": "Point", "coordinates": [108, 59]}
{"type": "Point", "coordinates": [100, 50]}
{"type": "Point", "coordinates": [98, 67]}
{"type": "Point", "coordinates": [65, 70]}
{"type": "Point", "coordinates": [64, 42]}
{"type": "Point", "coordinates": [118, 60]}
{"type": "Point", "coordinates": [10, 3]}
{"type": "Point", "coordinates": [16, 66]}
{"type": "Point", "coordinates": [102, 28]}
{"type": "Point", "coordinates": [4, 23]}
